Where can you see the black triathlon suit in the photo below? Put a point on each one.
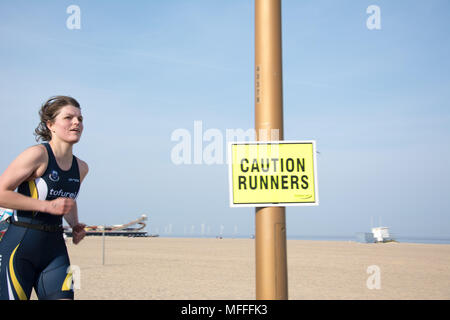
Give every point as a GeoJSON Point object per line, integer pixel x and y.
{"type": "Point", "coordinates": [33, 252]}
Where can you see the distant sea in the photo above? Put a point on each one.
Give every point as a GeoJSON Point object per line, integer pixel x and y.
{"type": "Point", "coordinates": [399, 238]}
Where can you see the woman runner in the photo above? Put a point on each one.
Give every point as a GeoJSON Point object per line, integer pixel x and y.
{"type": "Point", "coordinates": [47, 177]}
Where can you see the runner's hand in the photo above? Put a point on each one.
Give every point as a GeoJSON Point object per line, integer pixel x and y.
{"type": "Point", "coordinates": [78, 233]}
{"type": "Point", "coordinates": [60, 206]}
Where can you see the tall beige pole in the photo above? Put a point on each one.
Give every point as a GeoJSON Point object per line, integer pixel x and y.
{"type": "Point", "coordinates": [270, 222]}
{"type": "Point", "coordinates": [103, 247]}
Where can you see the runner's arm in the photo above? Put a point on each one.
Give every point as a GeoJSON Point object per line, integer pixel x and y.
{"type": "Point", "coordinates": [72, 216]}
{"type": "Point", "coordinates": [78, 231]}
{"type": "Point", "coordinates": [21, 169]}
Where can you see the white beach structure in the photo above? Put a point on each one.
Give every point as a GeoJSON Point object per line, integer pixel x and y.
{"type": "Point", "coordinates": [381, 234]}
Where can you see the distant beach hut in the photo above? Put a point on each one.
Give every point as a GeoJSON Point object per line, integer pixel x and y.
{"type": "Point", "coordinates": [381, 234]}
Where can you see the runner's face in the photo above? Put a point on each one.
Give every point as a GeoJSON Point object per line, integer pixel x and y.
{"type": "Point", "coordinates": [68, 124]}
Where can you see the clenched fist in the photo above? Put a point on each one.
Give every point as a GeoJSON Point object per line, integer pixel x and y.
{"type": "Point", "coordinates": [60, 206]}
{"type": "Point", "coordinates": [78, 233]}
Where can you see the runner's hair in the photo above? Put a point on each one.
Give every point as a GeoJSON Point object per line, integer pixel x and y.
{"type": "Point", "coordinates": [49, 110]}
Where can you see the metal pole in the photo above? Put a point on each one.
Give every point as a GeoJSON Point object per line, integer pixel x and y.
{"type": "Point", "coordinates": [103, 247]}
{"type": "Point", "coordinates": [270, 222]}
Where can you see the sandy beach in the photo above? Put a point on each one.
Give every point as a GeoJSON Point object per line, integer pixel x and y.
{"type": "Point", "coordinates": [179, 268]}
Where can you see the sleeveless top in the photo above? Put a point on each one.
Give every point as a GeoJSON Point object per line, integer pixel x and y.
{"type": "Point", "coordinates": [54, 183]}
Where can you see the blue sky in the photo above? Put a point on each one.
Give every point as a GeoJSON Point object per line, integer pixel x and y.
{"type": "Point", "coordinates": [376, 101]}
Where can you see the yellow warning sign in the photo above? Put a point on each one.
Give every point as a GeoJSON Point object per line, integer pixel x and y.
{"type": "Point", "coordinates": [280, 173]}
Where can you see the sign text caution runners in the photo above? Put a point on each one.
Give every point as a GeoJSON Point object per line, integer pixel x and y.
{"type": "Point", "coordinates": [281, 173]}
